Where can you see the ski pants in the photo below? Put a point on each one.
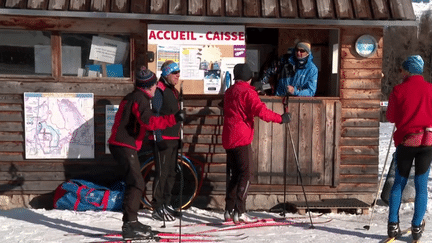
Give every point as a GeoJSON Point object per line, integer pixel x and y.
{"type": "Point", "coordinates": [165, 163]}
{"type": "Point", "coordinates": [238, 174]}
{"type": "Point", "coordinates": [130, 172]}
{"type": "Point", "coordinates": [405, 157]}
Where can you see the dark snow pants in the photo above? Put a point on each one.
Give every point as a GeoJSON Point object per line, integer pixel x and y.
{"type": "Point", "coordinates": [238, 173]}
{"type": "Point", "coordinates": [165, 163]}
{"type": "Point", "coordinates": [130, 173]}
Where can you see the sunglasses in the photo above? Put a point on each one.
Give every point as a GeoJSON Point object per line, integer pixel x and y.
{"type": "Point", "coordinates": [301, 50]}
{"type": "Point", "coordinates": [175, 72]}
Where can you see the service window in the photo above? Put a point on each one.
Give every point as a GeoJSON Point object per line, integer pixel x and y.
{"type": "Point", "coordinates": [89, 55]}
{"type": "Point", "coordinates": [266, 46]}
{"type": "Point", "coordinates": [19, 52]}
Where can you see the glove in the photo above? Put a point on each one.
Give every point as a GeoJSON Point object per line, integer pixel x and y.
{"type": "Point", "coordinates": [286, 117]}
{"type": "Point", "coordinates": [162, 145]}
{"type": "Point", "coordinates": [180, 116]}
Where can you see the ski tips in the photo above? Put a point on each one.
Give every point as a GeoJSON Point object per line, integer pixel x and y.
{"type": "Point", "coordinates": [366, 227]}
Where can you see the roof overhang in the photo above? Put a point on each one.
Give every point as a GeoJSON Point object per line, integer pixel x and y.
{"type": "Point", "coordinates": [158, 18]}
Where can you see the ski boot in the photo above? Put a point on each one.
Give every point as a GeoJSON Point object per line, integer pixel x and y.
{"type": "Point", "coordinates": [162, 215]}
{"type": "Point", "coordinates": [241, 218]}
{"type": "Point", "coordinates": [132, 230]}
{"type": "Point", "coordinates": [393, 230]}
{"type": "Point", "coordinates": [171, 210]}
{"type": "Point", "coordinates": [417, 231]}
{"type": "Point", "coordinates": [228, 215]}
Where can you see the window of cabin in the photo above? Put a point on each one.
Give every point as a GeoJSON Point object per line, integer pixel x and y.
{"type": "Point", "coordinates": [89, 55]}
{"type": "Point", "coordinates": [267, 45]}
{"type": "Point", "coordinates": [19, 52]}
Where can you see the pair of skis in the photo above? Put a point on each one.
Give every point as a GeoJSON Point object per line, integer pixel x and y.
{"type": "Point", "coordinates": [254, 220]}
{"type": "Point", "coordinates": [170, 237]}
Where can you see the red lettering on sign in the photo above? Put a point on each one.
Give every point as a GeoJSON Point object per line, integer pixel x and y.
{"type": "Point", "coordinates": [241, 36]}
{"type": "Point", "coordinates": [182, 35]}
{"type": "Point", "coordinates": [159, 35]}
{"type": "Point", "coordinates": [152, 35]}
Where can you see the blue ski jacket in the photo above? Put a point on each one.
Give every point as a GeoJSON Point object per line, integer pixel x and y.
{"type": "Point", "coordinates": [304, 80]}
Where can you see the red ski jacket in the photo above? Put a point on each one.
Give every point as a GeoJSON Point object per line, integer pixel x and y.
{"type": "Point", "coordinates": [410, 107]}
{"type": "Point", "coordinates": [241, 105]}
{"type": "Point", "coordinates": [134, 118]}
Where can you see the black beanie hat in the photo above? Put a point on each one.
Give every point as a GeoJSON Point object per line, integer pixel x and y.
{"type": "Point", "coordinates": [242, 72]}
{"type": "Point", "coordinates": [145, 78]}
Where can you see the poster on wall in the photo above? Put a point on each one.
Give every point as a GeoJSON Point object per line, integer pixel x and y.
{"type": "Point", "coordinates": [59, 125]}
{"type": "Point", "coordinates": [190, 60]}
{"type": "Point", "coordinates": [202, 50]}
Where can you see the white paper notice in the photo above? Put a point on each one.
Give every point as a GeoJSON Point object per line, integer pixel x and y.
{"type": "Point", "coordinates": [212, 82]}
{"type": "Point", "coordinates": [103, 50]}
{"type": "Point", "coordinates": [190, 59]}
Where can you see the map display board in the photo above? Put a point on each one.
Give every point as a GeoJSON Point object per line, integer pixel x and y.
{"type": "Point", "coordinates": [59, 125]}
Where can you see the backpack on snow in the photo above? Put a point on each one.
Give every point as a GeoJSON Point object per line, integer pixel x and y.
{"type": "Point", "coordinates": [81, 195]}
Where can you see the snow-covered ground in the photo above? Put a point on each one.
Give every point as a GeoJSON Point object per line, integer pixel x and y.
{"type": "Point", "coordinates": [38, 225]}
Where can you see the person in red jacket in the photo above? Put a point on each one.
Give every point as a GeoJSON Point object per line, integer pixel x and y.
{"type": "Point", "coordinates": [241, 104]}
{"type": "Point", "coordinates": [410, 108]}
{"type": "Point", "coordinates": [132, 121]}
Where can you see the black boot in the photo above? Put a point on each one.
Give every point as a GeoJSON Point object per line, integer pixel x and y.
{"type": "Point", "coordinates": [136, 230]}
{"type": "Point", "coordinates": [171, 210]}
{"type": "Point", "coordinates": [417, 231]}
{"type": "Point", "coordinates": [393, 230]}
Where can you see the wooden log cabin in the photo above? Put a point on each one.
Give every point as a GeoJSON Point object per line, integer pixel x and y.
{"type": "Point", "coordinates": [335, 133]}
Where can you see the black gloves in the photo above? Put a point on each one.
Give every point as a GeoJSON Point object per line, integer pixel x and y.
{"type": "Point", "coordinates": [179, 116]}
{"type": "Point", "coordinates": [286, 117]}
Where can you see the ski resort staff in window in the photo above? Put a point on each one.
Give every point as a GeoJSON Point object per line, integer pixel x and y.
{"type": "Point", "coordinates": [296, 73]}
{"type": "Point", "coordinates": [410, 108]}
{"type": "Point", "coordinates": [132, 121]}
{"type": "Point", "coordinates": [166, 102]}
{"type": "Point", "coordinates": [241, 104]}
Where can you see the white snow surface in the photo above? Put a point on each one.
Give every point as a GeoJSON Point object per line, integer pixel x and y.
{"type": "Point", "coordinates": [39, 225]}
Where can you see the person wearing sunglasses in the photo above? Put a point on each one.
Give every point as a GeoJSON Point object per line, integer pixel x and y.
{"type": "Point", "coordinates": [296, 73]}
{"type": "Point", "coordinates": [166, 102]}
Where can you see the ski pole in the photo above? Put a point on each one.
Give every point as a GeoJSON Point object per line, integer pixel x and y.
{"type": "Point", "coordinates": [157, 158]}
{"type": "Point", "coordinates": [300, 176]}
{"type": "Point", "coordinates": [181, 156]}
{"type": "Point", "coordinates": [285, 103]}
{"type": "Point", "coordinates": [367, 227]}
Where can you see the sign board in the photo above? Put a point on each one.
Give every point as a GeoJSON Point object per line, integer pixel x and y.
{"type": "Point", "coordinates": [201, 52]}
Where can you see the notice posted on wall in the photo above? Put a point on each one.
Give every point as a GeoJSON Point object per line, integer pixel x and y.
{"type": "Point", "coordinates": [190, 60]}
{"type": "Point", "coordinates": [108, 49]}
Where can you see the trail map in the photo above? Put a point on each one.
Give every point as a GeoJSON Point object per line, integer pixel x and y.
{"type": "Point", "coordinates": [59, 125]}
